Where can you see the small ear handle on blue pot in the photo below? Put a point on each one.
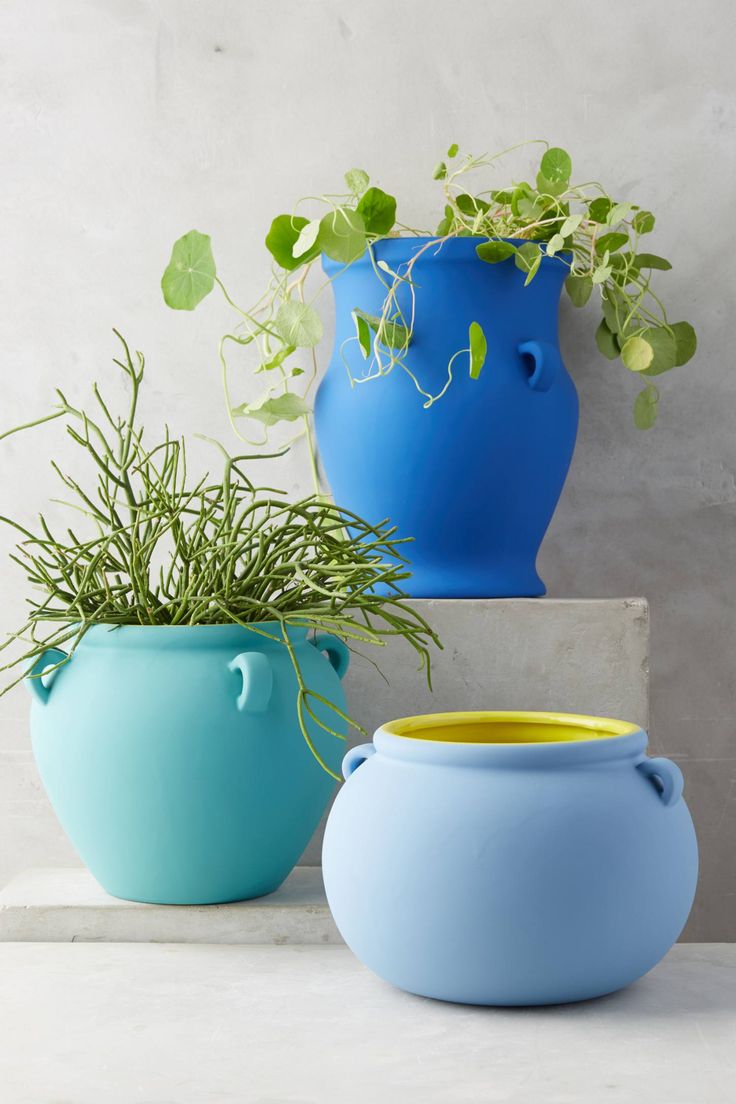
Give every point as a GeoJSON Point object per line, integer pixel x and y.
{"type": "Point", "coordinates": [355, 758]}
{"type": "Point", "coordinates": [257, 681]}
{"type": "Point", "coordinates": [546, 360]}
{"type": "Point", "coordinates": [34, 679]}
{"type": "Point", "coordinates": [666, 777]}
{"type": "Point", "coordinates": [337, 651]}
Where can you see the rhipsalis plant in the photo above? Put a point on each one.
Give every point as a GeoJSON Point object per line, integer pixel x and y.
{"type": "Point", "coordinates": [595, 234]}
{"type": "Point", "coordinates": [160, 548]}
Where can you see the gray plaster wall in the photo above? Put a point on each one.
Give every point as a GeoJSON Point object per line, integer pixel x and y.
{"type": "Point", "coordinates": [125, 123]}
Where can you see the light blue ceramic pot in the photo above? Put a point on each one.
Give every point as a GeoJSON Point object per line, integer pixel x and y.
{"type": "Point", "coordinates": [174, 760]}
{"type": "Point", "coordinates": [509, 859]}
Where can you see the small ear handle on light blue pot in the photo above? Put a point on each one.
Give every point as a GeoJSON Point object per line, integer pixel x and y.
{"type": "Point", "coordinates": [34, 679]}
{"type": "Point", "coordinates": [336, 649]}
{"type": "Point", "coordinates": [257, 681]}
{"type": "Point", "coordinates": [665, 776]}
{"type": "Point", "coordinates": [546, 360]}
{"type": "Point", "coordinates": [355, 758]}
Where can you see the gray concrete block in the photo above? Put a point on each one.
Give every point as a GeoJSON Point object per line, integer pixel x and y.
{"type": "Point", "coordinates": [68, 906]}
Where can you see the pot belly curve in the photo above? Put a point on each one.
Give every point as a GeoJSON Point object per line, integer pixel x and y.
{"type": "Point", "coordinates": [507, 890]}
{"type": "Point", "coordinates": [170, 791]}
{"type": "Point", "coordinates": [474, 477]}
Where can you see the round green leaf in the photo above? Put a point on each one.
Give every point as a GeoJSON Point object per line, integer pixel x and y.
{"type": "Point", "coordinates": [606, 341]}
{"type": "Point", "coordinates": [598, 209]}
{"type": "Point", "coordinates": [554, 244]}
{"type": "Point", "coordinates": [283, 408]}
{"type": "Point", "coordinates": [470, 205]}
{"type": "Point", "coordinates": [579, 289]}
{"type": "Point", "coordinates": [665, 350]}
{"type": "Point", "coordinates": [390, 332]}
{"type": "Point", "coordinates": [357, 181]}
{"type": "Point", "coordinates": [190, 274]}
{"type": "Point", "coordinates": [526, 255]}
{"type": "Point", "coordinates": [645, 408]}
{"type": "Point", "coordinates": [611, 242]}
{"type": "Point", "coordinates": [307, 239]}
{"type": "Point", "coordinates": [342, 235]}
{"type": "Point", "coordinates": [686, 342]}
{"type": "Point", "coordinates": [651, 260]}
{"type": "Point", "coordinates": [550, 187]}
{"type": "Point", "coordinates": [495, 251]}
{"type": "Point", "coordinates": [637, 354]}
{"type": "Point", "coordinates": [363, 333]}
{"type": "Point", "coordinates": [440, 171]}
{"type": "Point", "coordinates": [570, 225]}
{"type": "Point", "coordinates": [556, 165]}
{"type": "Point", "coordinates": [478, 349]}
{"type": "Point", "coordinates": [378, 211]}
{"type": "Point", "coordinates": [298, 324]}
{"type": "Point", "coordinates": [601, 273]}
{"type": "Point", "coordinates": [614, 310]}
{"type": "Point", "coordinates": [528, 258]}
{"type": "Point", "coordinates": [618, 212]}
{"type": "Point", "coordinates": [452, 151]}
{"type": "Point", "coordinates": [283, 236]}
{"type": "Point", "coordinates": [643, 222]}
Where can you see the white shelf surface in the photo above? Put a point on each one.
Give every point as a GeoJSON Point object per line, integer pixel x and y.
{"type": "Point", "coordinates": [176, 1024]}
{"type": "Point", "coordinates": [60, 905]}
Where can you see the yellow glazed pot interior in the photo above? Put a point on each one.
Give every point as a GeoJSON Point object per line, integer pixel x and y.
{"type": "Point", "coordinates": [508, 728]}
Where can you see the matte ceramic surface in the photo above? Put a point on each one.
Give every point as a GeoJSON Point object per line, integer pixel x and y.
{"type": "Point", "coordinates": [509, 859]}
{"type": "Point", "coordinates": [173, 757]}
{"type": "Point", "coordinates": [475, 478]}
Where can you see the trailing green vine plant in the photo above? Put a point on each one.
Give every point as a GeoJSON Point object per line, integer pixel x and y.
{"type": "Point", "coordinates": [163, 549]}
{"type": "Point", "coordinates": [597, 236]}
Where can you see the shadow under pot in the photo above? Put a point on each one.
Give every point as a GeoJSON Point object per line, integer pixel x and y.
{"type": "Point", "coordinates": [174, 759]}
{"type": "Point", "coordinates": [474, 477]}
{"type": "Point", "coordinates": [509, 858]}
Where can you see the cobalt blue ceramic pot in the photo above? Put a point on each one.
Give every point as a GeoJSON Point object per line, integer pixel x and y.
{"type": "Point", "coordinates": [475, 478]}
{"type": "Point", "coordinates": [509, 858]}
{"type": "Point", "coordinates": [174, 760]}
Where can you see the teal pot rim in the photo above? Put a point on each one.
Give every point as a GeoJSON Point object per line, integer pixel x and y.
{"type": "Point", "coordinates": [400, 250]}
{"type": "Point", "coordinates": [600, 740]}
{"type": "Point", "coordinates": [101, 635]}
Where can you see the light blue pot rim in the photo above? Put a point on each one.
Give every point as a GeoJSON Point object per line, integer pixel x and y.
{"type": "Point", "coordinates": [600, 740]}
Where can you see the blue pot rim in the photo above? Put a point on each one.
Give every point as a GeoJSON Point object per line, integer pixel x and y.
{"type": "Point", "coordinates": [101, 635]}
{"type": "Point", "coordinates": [609, 740]}
{"type": "Point", "coordinates": [400, 250]}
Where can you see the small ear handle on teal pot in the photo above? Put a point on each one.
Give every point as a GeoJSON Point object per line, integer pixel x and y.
{"type": "Point", "coordinates": [257, 681]}
{"type": "Point", "coordinates": [546, 360]}
{"type": "Point", "coordinates": [337, 651]}
{"type": "Point", "coordinates": [34, 679]}
{"type": "Point", "coordinates": [355, 758]}
{"type": "Point", "coordinates": [665, 776]}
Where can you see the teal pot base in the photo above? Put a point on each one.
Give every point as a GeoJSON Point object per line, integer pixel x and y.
{"type": "Point", "coordinates": [215, 895]}
{"type": "Point", "coordinates": [174, 759]}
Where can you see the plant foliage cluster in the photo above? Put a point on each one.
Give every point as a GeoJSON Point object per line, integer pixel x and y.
{"type": "Point", "coordinates": [163, 549]}
{"type": "Point", "coordinates": [599, 238]}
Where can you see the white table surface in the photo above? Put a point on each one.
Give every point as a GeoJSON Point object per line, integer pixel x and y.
{"type": "Point", "coordinates": [174, 1023]}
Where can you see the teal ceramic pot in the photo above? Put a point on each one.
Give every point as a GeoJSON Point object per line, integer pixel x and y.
{"type": "Point", "coordinates": [509, 858]}
{"type": "Point", "coordinates": [174, 760]}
